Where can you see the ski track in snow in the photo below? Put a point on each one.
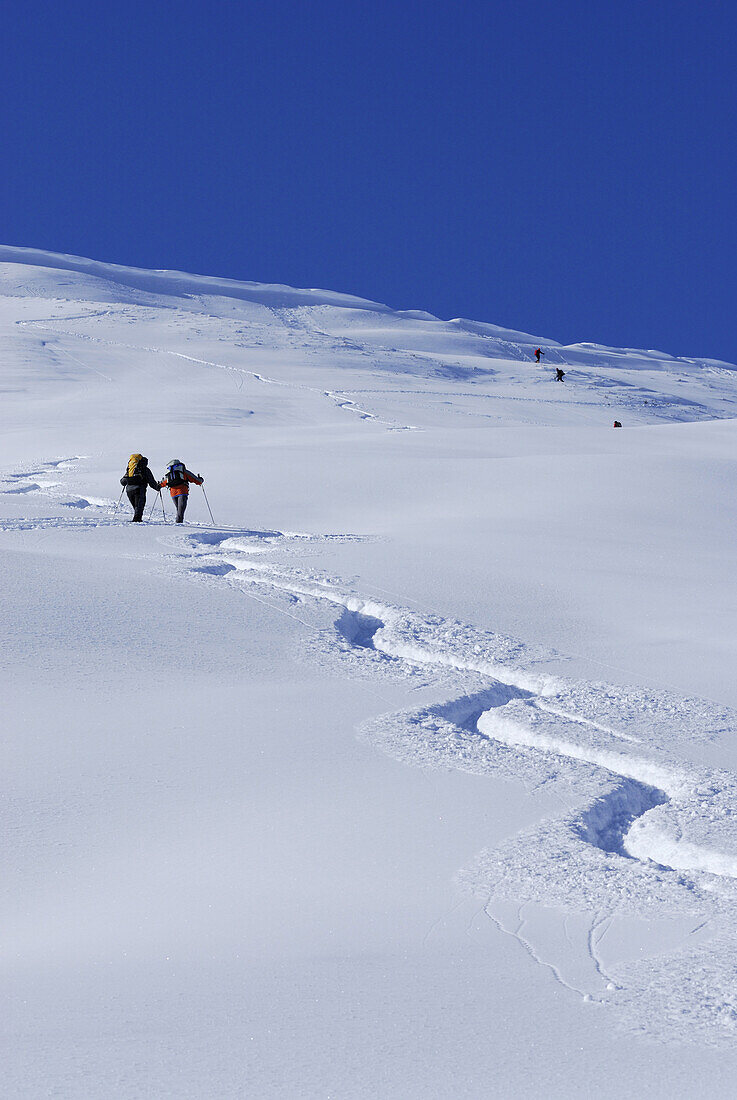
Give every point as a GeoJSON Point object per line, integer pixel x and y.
{"type": "Point", "coordinates": [647, 833]}
{"type": "Point", "coordinates": [336, 397]}
{"type": "Point", "coordinates": [517, 713]}
{"type": "Point", "coordinates": [642, 832]}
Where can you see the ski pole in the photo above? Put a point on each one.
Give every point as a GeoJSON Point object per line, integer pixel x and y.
{"type": "Point", "coordinates": [207, 502]}
{"type": "Point", "coordinates": [163, 509]}
{"type": "Point", "coordinates": [115, 509]}
{"type": "Point", "coordinates": [151, 511]}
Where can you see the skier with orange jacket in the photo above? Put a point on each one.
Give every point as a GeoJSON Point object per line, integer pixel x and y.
{"type": "Point", "coordinates": [177, 480]}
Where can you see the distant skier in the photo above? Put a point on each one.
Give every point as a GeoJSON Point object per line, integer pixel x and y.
{"type": "Point", "coordinates": [559, 374]}
{"type": "Point", "coordinates": [135, 480]}
{"type": "Point", "coordinates": [177, 480]}
{"type": "Point", "coordinates": [538, 353]}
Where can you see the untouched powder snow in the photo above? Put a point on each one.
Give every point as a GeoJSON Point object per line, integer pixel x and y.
{"type": "Point", "coordinates": [417, 777]}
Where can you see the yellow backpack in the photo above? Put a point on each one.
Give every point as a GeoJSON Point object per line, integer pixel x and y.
{"type": "Point", "coordinates": [132, 463]}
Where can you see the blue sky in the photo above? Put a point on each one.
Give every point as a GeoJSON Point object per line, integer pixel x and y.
{"type": "Point", "coordinates": [567, 168]}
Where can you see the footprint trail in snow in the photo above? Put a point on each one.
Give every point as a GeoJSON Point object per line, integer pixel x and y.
{"type": "Point", "coordinates": [42, 480]}
{"type": "Point", "coordinates": [647, 835]}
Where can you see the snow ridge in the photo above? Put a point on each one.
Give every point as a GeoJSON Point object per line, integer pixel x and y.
{"type": "Point", "coordinates": [441, 348]}
{"type": "Point", "coordinates": [179, 282]}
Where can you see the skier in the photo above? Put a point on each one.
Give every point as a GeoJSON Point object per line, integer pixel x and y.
{"type": "Point", "coordinates": [176, 480]}
{"type": "Point", "coordinates": [135, 480]}
{"type": "Point", "coordinates": [538, 353]}
{"type": "Point", "coordinates": [559, 374]}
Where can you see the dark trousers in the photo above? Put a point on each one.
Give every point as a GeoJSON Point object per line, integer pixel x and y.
{"type": "Point", "coordinates": [137, 497]}
{"type": "Point", "coordinates": [180, 503]}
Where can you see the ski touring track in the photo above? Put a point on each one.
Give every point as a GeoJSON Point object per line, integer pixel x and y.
{"type": "Point", "coordinates": [337, 398]}
{"type": "Point", "coordinates": [643, 834]}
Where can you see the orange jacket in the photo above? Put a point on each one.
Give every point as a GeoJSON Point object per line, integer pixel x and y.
{"type": "Point", "coordinates": [182, 490]}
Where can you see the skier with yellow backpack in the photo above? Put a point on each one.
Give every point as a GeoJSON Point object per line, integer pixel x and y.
{"type": "Point", "coordinates": [135, 480]}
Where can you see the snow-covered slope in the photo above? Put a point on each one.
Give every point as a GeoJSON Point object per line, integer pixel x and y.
{"type": "Point", "coordinates": [212, 887]}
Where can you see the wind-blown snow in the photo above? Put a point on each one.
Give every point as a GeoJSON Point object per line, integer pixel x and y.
{"type": "Point", "coordinates": [212, 886]}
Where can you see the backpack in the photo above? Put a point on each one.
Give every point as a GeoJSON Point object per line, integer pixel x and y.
{"type": "Point", "coordinates": [133, 465]}
{"type": "Point", "coordinates": [175, 474]}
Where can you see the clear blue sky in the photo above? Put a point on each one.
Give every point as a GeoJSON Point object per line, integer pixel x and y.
{"type": "Point", "coordinates": [563, 167]}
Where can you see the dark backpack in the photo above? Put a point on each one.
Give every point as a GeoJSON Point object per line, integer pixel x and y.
{"type": "Point", "coordinates": [175, 475]}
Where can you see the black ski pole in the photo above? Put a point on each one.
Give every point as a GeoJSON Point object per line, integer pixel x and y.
{"type": "Point", "coordinates": [207, 502]}
{"type": "Point", "coordinates": [115, 509]}
{"type": "Point", "coordinates": [151, 512]}
{"type": "Point", "coordinates": [163, 509]}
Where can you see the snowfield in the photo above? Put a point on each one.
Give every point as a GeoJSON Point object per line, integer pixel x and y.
{"type": "Point", "coordinates": [417, 777]}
